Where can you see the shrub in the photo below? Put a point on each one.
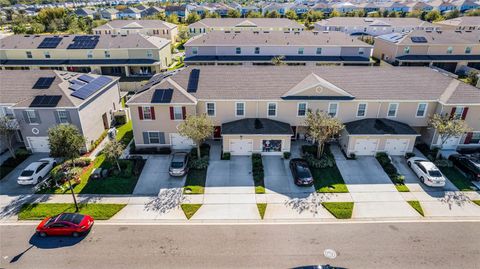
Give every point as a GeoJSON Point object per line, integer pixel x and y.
{"type": "Point", "coordinates": [204, 151]}
{"type": "Point", "coordinates": [353, 156]}
{"type": "Point", "coordinates": [324, 162]}
{"type": "Point", "coordinates": [138, 166]}
{"type": "Point", "coordinates": [22, 152]}
{"type": "Point", "coordinates": [443, 163]}
{"type": "Point", "coordinates": [226, 156]}
{"type": "Point", "coordinates": [287, 155]}
{"type": "Point", "coordinates": [199, 164]}
{"type": "Point", "coordinates": [409, 155]}
{"type": "Point", "coordinates": [120, 120]}
{"type": "Point", "coordinates": [257, 169]}
{"type": "Point", "coordinates": [94, 144]}
{"type": "Point", "coordinates": [152, 150]}
{"type": "Point", "coordinates": [309, 149]}
{"type": "Point", "coordinates": [80, 162]}
{"type": "Point", "coordinates": [398, 179]}
{"type": "Point", "coordinates": [383, 158]}
{"type": "Point", "coordinates": [390, 169]}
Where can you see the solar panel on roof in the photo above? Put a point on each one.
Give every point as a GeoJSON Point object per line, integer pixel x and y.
{"type": "Point", "coordinates": [43, 83]}
{"type": "Point", "coordinates": [49, 42]}
{"type": "Point", "coordinates": [45, 101]}
{"type": "Point", "coordinates": [84, 42]}
{"type": "Point", "coordinates": [193, 80]}
{"type": "Point", "coordinates": [162, 96]}
{"type": "Point", "coordinates": [86, 78]}
{"type": "Point", "coordinates": [418, 39]}
{"type": "Point", "coordinates": [92, 87]}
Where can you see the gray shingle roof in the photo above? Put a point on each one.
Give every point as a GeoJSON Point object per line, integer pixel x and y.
{"type": "Point", "coordinates": [143, 23]}
{"type": "Point", "coordinates": [378, 127]}
{"type": "Point", "coordinates": [252, 126]}
{"type": "Point", "coordinates": [259, 22]}
{"type": "Point", "coordinates": [462, 21]}
{"type": "Point", "coordinates": [363, 22]}
{"type": "Point", "coordinates": [445, 37]}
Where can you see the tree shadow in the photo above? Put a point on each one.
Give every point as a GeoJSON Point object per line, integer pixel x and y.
{"type": "Point", "coordinates": [167, 200]}
{"type": "Point", "coordinates": [455, 198]}
{"type": "Point", "coordinates": [13, 208]}
{"type": "Point", "coordinates": [312, 203]}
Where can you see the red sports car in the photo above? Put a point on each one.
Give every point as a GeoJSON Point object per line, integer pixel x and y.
{"type": "Point", "coordinates": [65, 224]}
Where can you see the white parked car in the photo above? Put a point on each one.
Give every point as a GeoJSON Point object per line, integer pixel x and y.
{"type": "Point", "coordinates": [427, 172]}
{"type": "Point", "coordinates": [36, 171]}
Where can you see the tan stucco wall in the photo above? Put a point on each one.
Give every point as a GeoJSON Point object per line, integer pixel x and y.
{"type": "Point", "coordinates": [257, 141]}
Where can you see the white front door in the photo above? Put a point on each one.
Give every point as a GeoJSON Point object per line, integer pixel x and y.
{"type": "Point", "coordinates": [38, 144]}
{"type": "Point", "coordinates": [241, 146]}
{"type": "Point", "coordinates": [365, 146]}
{"type": "Point", "coordinates": [180, 142]}
{"type": "Point", "coordinates": [396, 146]}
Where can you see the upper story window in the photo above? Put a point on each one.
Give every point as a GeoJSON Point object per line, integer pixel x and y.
{"type": "Point", "coordinates": [62, 116]}
{"type": "Point", "coordinates": [458, 113]}
{"type": "Point", "coordinates": [107, 54]}
{"type": "Point", "coordinates": [362, 110]}
{"type": "Point", "coordinates": [89, 54]}
{"type": "Point", "coordinates": [257, 50]}
{"type": "Point", "coordinates": [300, 50]}
{"type": "Point", "coordinates": [468, 50]}
{"type": "Point", "coordinates": [177, 113]}
{"type": "Point", "coordinates": [272, 109]}
{"type": "Point", "coordinates": [406, 50]}
{"type": "Point", "coordinates": [361, 51]}
{"type": "Point", "coordinates": [392, 110]}
{"type": "Point", "coordinates": [147, 113]}
{"type": "Point", "coordinates": [29, 54]}
{"type": "Point", "coordinates": [149, 54]}
{"type": "Point", "coordinates": [211, 109]}
{"type": "Point", "coordinates": [31, 116]}
{"type": "Point", "coordinates": [421, 110]}
{"type": "Point", "coordinates": [240, 109]}
{"type": "Point", "coordinates": [301, 109]}
{"type": "Point", "coordinates": [194, 50]}
{"type": "Point", "coordinates": [5, 111]}
{"type": "Point", "coordinates": [319, 50]}
{"type": "Point", "coordinates": [46, 54]}
{"type": "Point", "coordinates": [238, 50]}
{"type": "Point", "coordinates": [449, 50]}
{"type": "Point", "coordinates": [333, 109]}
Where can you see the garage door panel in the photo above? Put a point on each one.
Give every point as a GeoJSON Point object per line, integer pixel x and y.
{"type": "Point", "coordinates": [365, 146]}
{"type": "Point", "coordinates": [38, 144]}
{"type": "Point", "coordinates": [241, 146]}
{"type": "Point", "coordinates": [396, 146]}
{"type": "Point", "coordinates": [180, 142]}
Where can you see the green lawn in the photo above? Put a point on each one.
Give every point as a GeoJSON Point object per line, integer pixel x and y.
{"type": "Point", "coordinates": [417, 206]}
{"type": "Point", "coordinates": [328, 180]}
{"type": "Point", "coordinates": [41, 211]}
{"type": "Point", "coordinates": [195, 182]}
{"type": "Point", "coordinates": [477, 202]}
{"type": "Point", "coordinates": [190, 209]}
{"type": "Point", "coordinates": [457, 178]}
{"type": "Point", "coordinates": [259, 189]}
{"type": "Point", "coordinates": [402, 188]}
{"type": "Point", "coordinates": [261, 209]}
{"type": "Point", "coordinates": [341, 210]}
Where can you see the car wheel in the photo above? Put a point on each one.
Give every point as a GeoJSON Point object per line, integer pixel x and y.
{"type": "Point", "coordinates": [39, 179]}
{"type": "Point", "coordinates": [54, 164]}
{"type": "Point", "coordinates": [75, 234]}
{"type": "Point", "coordinates": [422, 180]}
{"type": "Point", "coordinates": [409, 164]}
{"type": "Point", "coordinates": [42, 234]}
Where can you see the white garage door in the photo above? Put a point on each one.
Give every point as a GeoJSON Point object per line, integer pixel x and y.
{"type": "Point", "coordinates": [38, 144]}
{"type": "Point", "coordinates": [180, 142]}
{"type": "Point", "coordinates": [241, 146]}
{"type": "Point", "coordinates": [365, 146]}
{"type": "Point", "coordinates": [396, 146]}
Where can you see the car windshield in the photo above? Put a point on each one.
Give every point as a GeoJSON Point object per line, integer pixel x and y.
{"type": "Point", "coordinates": [51, 220]}
{"type": "Point", "coordinates": [26, 173]}
{"type": "Point", "coordinates": [177, 164]}
{"type": "Point", "coordinates": [303, 171]}
{"type": "Point", "coordinates": [434, 173]}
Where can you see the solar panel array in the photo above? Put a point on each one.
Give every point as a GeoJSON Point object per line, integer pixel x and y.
{"type": "Point", "coordinates": [92, 87]}
{"type": "Point", "coordinates": [49, 43]}
{"type": "Point", "coordinates": [193, 80]}
{"type": "Point", "coordinates": [76, 84]}
{"type": "Point", "coordinates": [43, 83]}
{"type": "Point", "coordinates": [84, 42]}
{"type": "Point", "coordinates": [86, 78]}
{"type": "Point", "coordinates": [153, 81]}
{"type": "Point", "coordinates": [162, 96]}
{"type": "Point", "coordinates": [418, 39]}
{"type": "Point", "coordinates": [45, 101]}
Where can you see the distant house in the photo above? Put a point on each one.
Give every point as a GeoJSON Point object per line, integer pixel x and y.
{"type": "Point", "coordinates": [345, 7]}
{"type": "Point", "coordinates": [243, 24]}
{"type": "Point", "coordinates": [244, 10]}
{"type": "Point", "coordinates": [467, 23]}
{"type": "Point", "coordinates": [180, 11]}
{"type": "Point", "coordinates": [323, 7]}
{"type": "Point", "coordinates": [109, 14]}
{"type": "Point", "coordinates": [151, 11]}
{"type": "Point", "coordinates": [442, 6]}
{"type": "Point", "coordinates": [420, 6]}
{"type": "Point", "coordinates": [300, 9]}
{"type": "Point", "coordinates": [397, 7]}
{"type": "Point", "coordinates": [85, 12]}
{"type": "Point", "coordinates": [280, 8]}
{"type": "Point", "coordinates": [147, 27]}
{"type": "Point", "coordinates": [466, 5]}
{"type": "Point", "coordinates": [131, 13]}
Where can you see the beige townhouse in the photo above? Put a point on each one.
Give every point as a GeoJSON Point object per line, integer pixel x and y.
{"type": "Point", "coordinates": [464, 23]}
{"type": "Point", "coordinates": [261, 47]}
{"type": "Point", "coordinates": [132, 56]}
{"type": "Point", "coordinates": [243, 24]}
{"type": "Point", "coordinates": [262, 108]}
{"type": "Point", "coordinates": [449, 50]}
{"type": "Point", "coordinates": [158, 28]}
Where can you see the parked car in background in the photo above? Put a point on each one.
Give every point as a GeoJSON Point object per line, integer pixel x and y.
{"type": "Point", "coordinates": [65, 224]}
{"type": "Point", "coordinates": [36, 171]}
{"type": "Point", "coordinates": [301, 173]}
{"type": "Point", "coordinates": [427, 172]}
{"type": "Point", "coordinates": [179, 164]}
{"type": "Point", "coordinates": [468, 164]}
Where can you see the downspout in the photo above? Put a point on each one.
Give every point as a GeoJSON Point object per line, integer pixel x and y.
{"type": "Point", "coordinates": [378, 110]}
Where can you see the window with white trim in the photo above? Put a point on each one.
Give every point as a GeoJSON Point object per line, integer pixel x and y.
{"type": "Point", "coordinates": [449, 50]}
{"type": "Point", "coordinates": [177, 113]}
{"type": "Point", "coordinates": [238, 50]}
{"type": "Point", "coordinates": [147, 113]}
{"type": "Point", "coordinates": [362, 110]}
{"type": "Point", "coordinates": [46, 54]}
{"type": "Point", "coordinates": [300, 50]}
{"type": "Point", "coordinates": [32, 116]}
{"type": "Point", "coordinates": [29, 54]}
{"type": "Point", "coordinates": [107, 54]}
{"type": "Point", "coordinates": [458, 112]}
{"type": "Point", "coordinates": [153, 137]}
{"type": "Point", "coordinates": [239, 109]}
{"type": "Point", "coordinates": [361, 51]}
{"type": "Point", "coordinates": [149, 54]}
{"type": "Point", "coordinates": [211, 109]}
{"type": "Point", "coordinates": [406, 50]}
{"type": "Point", "coordinates": [90, 54]}
{"type": "Point", "coordinates": [392, 110]}
{"type": "Point", "coordinates": [319, 50]}
{"type": "Point", "coordinates": [301, 109]}
{"type": "Point", "coordinates": [272, 109]}
{"type": "Point", "coordinates": [194, 50]}
{"type": "Point", "coordinates": [257, 50]}
{"type": "Point", "coordinates": [421, 110]}
{"type": "Point", "coordinates": [62, 116]}
{"type": "Point", "coordinates": [332, 109]}
{"type": "Point", "coordinates": [468, 50]}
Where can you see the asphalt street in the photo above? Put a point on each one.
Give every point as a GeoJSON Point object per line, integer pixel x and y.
{"type": "Point", "coordinates": [377, 245]}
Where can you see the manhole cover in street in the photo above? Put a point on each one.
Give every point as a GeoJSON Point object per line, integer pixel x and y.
{"type": "Point", "coordinates": [330, 254]}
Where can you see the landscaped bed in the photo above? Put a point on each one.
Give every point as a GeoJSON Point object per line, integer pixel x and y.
{"type": "Point", "coordinates": [197, 175]}
{"type": "Point", "coordinates": [326, 176]}
{"type": "Point", "coordinates": [262, 207]}
{"type": "Point", "coordinates": [11, 163]}
{"type": "Point", "coordinates": [190, 209]}
{"type": "Point", "coordinates": [457, 178]}
{"type": "Point", "coordinates": [417, 206]}
{"type": "Point", "coordinates": [340, 210]}
{"type": "Point", "coordinates": [258, 173]}
{"type": "Point", "coordinates": [392, 172]}
{"type": "Point", "coordinates": [41, 211]}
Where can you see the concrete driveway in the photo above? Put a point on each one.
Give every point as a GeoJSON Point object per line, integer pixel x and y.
{"type": "Point", "coordinates": [9, 186]}
{"type": "Point", "coordinates": [279, 179]}
{"type": "Point", "coordinates": [155, 177]}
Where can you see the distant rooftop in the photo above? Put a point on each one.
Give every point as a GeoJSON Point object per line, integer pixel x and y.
{"type": "Point", "coordinates": [462, 21]}
{"type": "Point", "coordinates": [449, 37]}
{"type": "Point", "coordinates": [246, 22]}
{"type": "Point", "coordinates": [126, 24]}
{"type": "Point", "coordinates": [360, 21]}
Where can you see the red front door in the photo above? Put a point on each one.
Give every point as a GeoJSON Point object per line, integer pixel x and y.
{"type": "Point", "coordinates": [217, 133]}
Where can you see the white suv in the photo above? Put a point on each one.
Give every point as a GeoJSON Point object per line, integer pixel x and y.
{"type": "Point", "coordinates": [427, 172]}
{"type": "Point", "coordinates": [36, 171]}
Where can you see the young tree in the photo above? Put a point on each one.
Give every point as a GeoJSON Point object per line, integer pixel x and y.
{"type": "Point", "coordinates": [172, 18]}
{"type": "Point", "coordinates": [113, 150]}
{"type": "Point", "coordinates": [472, 78]}
{"type": "Point", "coordinates": [291, 14]}
{"type": "Point", "coordinates": [433, 15]}
{"type": "Point", "coordinates": [192, 17]}
{"type": "Point", "coordinates": [66, 142]}
{"type": "Point", "coordinates": [335, 13]}
{"type": "Point", "coordinates": [278, 60]}
{"type": "Point", "coordinates": [8, 128]}
{"type": "Point", "coordinates": [208, 14]}
{"type": "Point", "coordinates": [321, 127]}
{"type": "Point", "coordinates": [233, 13]}
{"type": "Point", "coordinates": [197, 128]}
{"type": "Point", "coordinates": [273, 14]}
{"type": "Point", "coordinates": [253, 14]}
{"type": "Point", "coordinates": [447, 127]}
{"type": "Point", "coordinates": [452, 14]}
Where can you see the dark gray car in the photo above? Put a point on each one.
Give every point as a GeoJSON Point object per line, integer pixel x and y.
{"type": "Point", "coordinates": [179, 164]}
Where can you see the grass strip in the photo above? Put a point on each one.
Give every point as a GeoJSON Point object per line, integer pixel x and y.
{"type": "Point", "coordinates": [190, 209]}
{"type": "Point", "coordinates": [38, 211]}
{"type": "Point", "coordinates": [341, 210]}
